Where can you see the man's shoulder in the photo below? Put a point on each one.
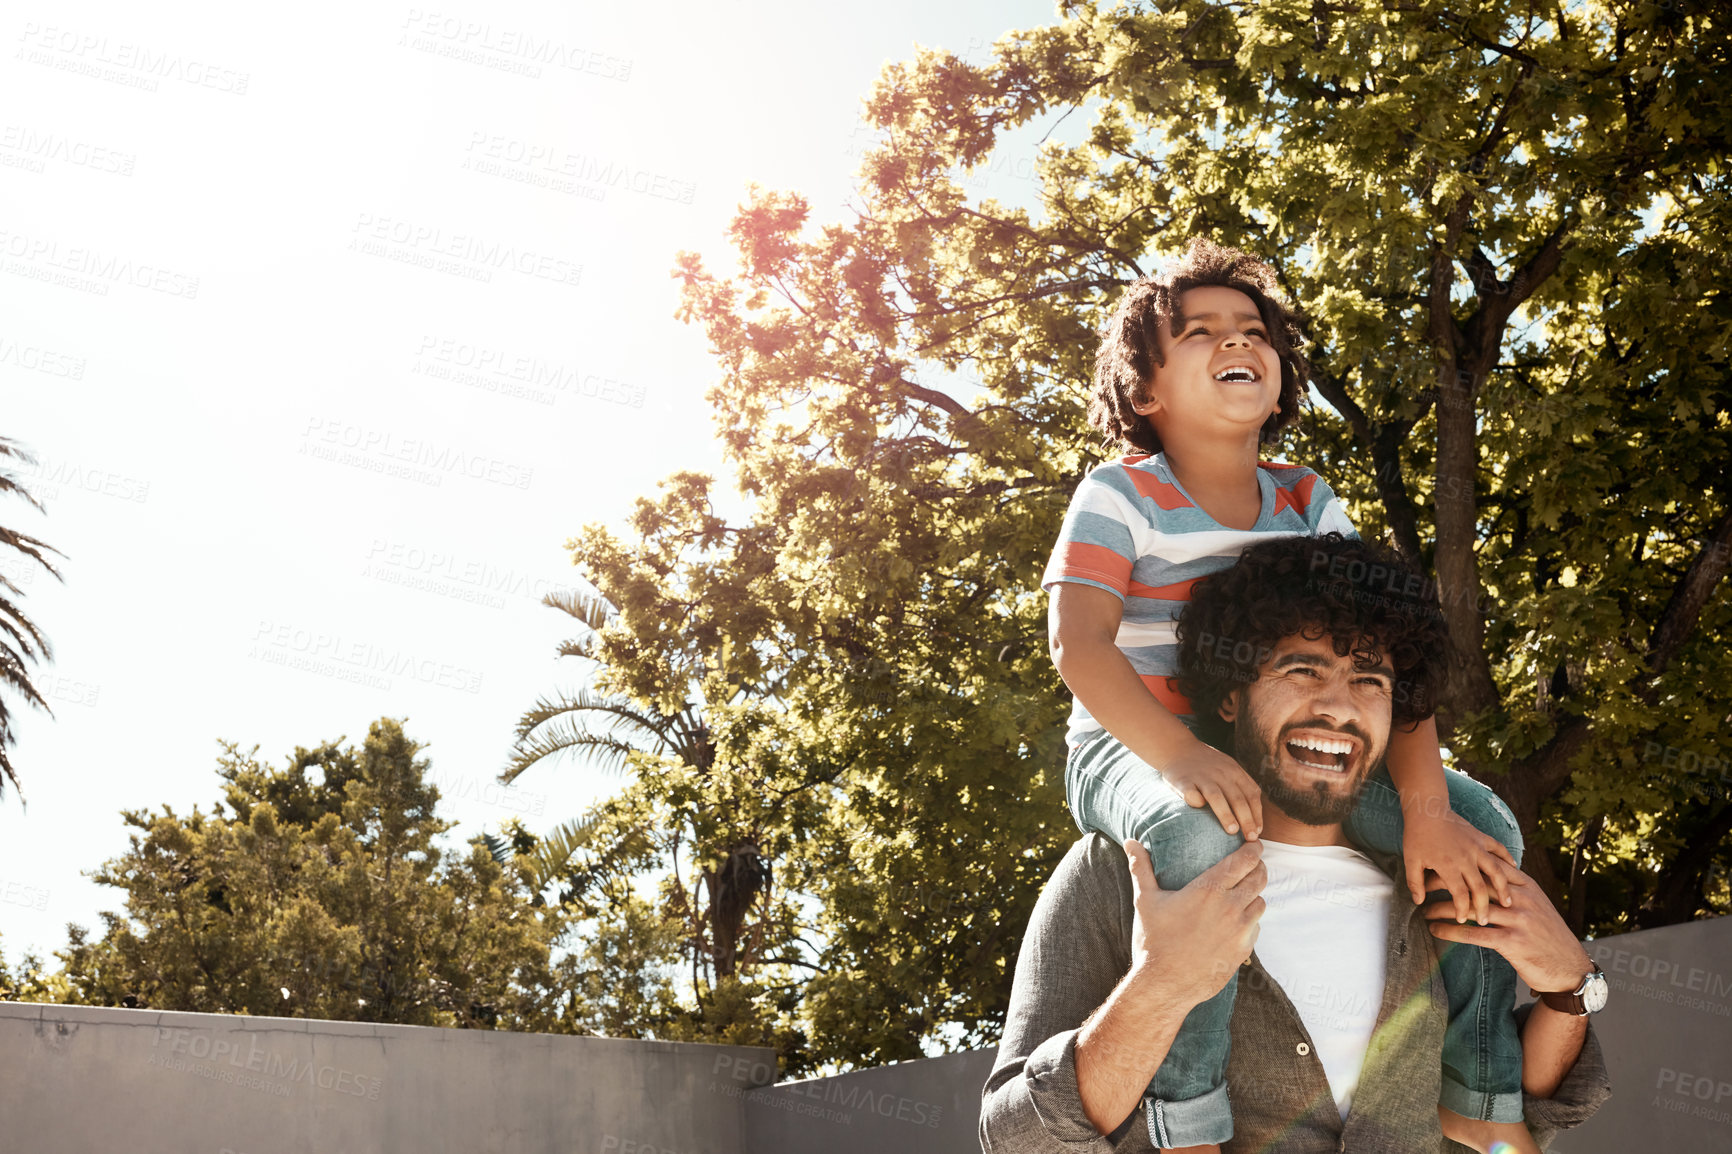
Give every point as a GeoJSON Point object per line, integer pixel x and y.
{"type": "Point", "coordinates": [1093, 872]}
{"type": "Point", "coordinates": [1091, 858]}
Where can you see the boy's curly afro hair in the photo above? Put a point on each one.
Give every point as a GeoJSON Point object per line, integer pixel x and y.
{"type": "Point", "coordinates": [1363, 597]}
{"type": "Point", "coordinates": [1131, 348]}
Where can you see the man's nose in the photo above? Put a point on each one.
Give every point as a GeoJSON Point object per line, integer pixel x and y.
{"type": "Point", "coordinates": [1334, 698]}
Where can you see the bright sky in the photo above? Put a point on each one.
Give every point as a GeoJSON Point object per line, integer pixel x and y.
{"type": "Point", "coordinates": [328, 327]}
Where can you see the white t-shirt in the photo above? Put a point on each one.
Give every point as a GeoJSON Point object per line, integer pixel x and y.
{"type": "Point", "coordinates": [1323, 938]}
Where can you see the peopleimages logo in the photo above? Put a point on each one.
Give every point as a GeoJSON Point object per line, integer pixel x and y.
{"type": "Point", "coordinates": [134, 65]}
{"type": "Point", "coordinates": [35, 149]}
{"type": "Point", "coordinates": [435, 248]}
{"type": "Point", "coordinates": [235, 1062]}
{"type": "Point", "coordinates": [37, 359]}
{"type": "Point", "coordinates": [324, 438]}
{"type": "Point", "coordinates": [91, 269]}
{"type": "Point", "coordinates": [330, 654]}
{"type": "Point", "coordinates": [515, 373]}
{"type": "Point", "coordinates": [508, 49]}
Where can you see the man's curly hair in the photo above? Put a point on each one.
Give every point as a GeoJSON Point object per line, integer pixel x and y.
{"type": "Point", "coordinates": [1131, 348]}
{"type": "Point", "coordinates": [1368, 601]}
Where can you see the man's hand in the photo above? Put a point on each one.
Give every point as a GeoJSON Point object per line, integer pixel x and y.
{"type": "Point", "coordinates": [1206, 776]}
{"type": "Point", "coordinates": [1192, 940]}
{"type": "Point", "coordinates": [1529, 933]}
{"type": "Point", "coordinates": [1473, 866]}
{"type": "Point", "coordinates": [1185, 944]}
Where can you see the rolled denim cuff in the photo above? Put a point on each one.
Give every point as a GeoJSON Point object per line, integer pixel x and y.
{"type": "Point", "coordinates": [1199, 1121]}
{"type": "Point", "coordinates": [1476, 1104]}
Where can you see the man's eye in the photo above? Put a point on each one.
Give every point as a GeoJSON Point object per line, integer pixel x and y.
{"type": "Point", "coordinates": [1376, 683]}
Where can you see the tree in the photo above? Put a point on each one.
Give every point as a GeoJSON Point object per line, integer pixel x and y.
{"type": "Point", "coordinates": [664, 812]}
{"type": "Point", "coordinates": [314, 896]}
{"type": "Point", "coordinates": [22, 643]}
{"type": "Point", "coordinates": [1507, 229]}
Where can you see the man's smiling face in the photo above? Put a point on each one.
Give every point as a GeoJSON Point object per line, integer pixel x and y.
{"type": "Point", "coordinates": [1312, 727]}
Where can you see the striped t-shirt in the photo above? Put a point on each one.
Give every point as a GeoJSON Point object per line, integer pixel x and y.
{"type": "Point", "coordinates": [1132, 529]}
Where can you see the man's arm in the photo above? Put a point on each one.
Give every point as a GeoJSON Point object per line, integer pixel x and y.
{"type": "Point", "coordinates": [1109, 967]}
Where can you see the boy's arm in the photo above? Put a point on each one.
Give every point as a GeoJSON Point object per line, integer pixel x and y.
{"type": "Point", "coordinates": [1083, 623]}
{"type": "Point", "coordinates": [1433, 836]}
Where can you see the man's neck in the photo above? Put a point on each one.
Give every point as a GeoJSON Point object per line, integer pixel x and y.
{"type": "Point", "coordinates": [1277, 826]}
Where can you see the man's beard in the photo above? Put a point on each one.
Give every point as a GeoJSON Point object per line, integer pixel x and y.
{"type": "Point", "coordinates": [1316, 804]}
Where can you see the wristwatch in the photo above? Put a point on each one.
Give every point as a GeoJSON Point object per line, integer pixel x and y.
{"type": "Point", "coordinates": [1587, 998]}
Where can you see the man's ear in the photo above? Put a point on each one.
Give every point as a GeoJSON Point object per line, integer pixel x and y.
{"type": "Point", "coordinates": [1230, 705]}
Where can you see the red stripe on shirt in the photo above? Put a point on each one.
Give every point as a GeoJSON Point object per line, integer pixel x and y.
{"type": "Point", "coordinates": [1095, 562]}
{"type": "Point", "coordinates": [1166, 692]}
{"type": "Point", "coordinates": [1178, 592]}
{"type": "Point", "coordinates": [1160, 492]}
{"type": "Point", "coordinates": [1298, 498]}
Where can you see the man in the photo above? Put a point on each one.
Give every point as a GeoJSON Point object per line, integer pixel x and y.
{"type": "Point", "coordinates": [1337, 1032]}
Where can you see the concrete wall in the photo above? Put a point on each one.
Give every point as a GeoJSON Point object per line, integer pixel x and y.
{"type": "Point", "coordinates": [76, 1079]}
{"type": "Point", "coordinates": [910, 1108]}
{"type": "Point", "coordinates": [1667, 1032]}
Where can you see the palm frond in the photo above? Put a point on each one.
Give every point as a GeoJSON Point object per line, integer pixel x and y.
{"type": "Point", "coordinates": [606, 753]}
{"type": "Point", "coordinates": [607, 716]}
{"type": "Point", "coordinates": [554, 852]}
{"type": "Point", "coordinates": [8, 483]}
{"type": "Point", "coordinates": [584, 701]}
{"type": "Point", "coordinates": [20, 641]}
{"type": "Point", "coordinates": [591, 610]}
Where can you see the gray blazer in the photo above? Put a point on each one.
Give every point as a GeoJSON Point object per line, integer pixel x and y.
{"type": "Point", "coordinates": [1077, 948]}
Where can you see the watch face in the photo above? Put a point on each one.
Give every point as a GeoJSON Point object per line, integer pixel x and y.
{"type": "Point", "coordinates": [1594, 993]}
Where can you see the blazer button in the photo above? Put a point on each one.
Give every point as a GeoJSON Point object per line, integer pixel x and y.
{"type": "Point", "coordinates": [1304, 1049]}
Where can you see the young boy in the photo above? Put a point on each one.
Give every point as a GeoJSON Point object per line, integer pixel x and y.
{"type": "Point", "coordinates": [1197, 368]}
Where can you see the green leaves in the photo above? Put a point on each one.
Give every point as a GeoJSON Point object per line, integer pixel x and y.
{"type": "Point", "coordinates": [317, 899]}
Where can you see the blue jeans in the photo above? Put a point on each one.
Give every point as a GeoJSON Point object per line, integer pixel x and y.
{"type": "Point", "coordinates": [1114, 792]}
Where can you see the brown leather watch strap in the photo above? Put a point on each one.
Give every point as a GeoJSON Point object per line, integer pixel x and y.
{"type": "Point", "coordinates": [1569, 1001]}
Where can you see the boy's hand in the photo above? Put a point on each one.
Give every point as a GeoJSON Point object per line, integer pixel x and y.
{"type": "Point", "coordinates": [1206, 776]}
{"type": "Point", "coordinates": [1471, 865]}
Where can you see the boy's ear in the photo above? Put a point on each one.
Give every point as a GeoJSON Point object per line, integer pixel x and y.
{"type": "Point", "coordinates": [1148, 405]}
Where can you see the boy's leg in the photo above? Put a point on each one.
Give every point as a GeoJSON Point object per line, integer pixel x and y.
{"type": "Point", "coordinates": [1482, 1055]}
{"type": "Point", "coordinates": [1115, 793]}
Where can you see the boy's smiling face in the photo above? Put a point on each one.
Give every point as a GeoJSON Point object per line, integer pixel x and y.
{"type": "Point", "coordinates": [1221, 373]}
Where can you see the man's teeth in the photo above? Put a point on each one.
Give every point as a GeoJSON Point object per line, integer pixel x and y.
{"type": "Point", "coordinates": [1336, 752]}
{"type": "Point", "coordinates": [1236, 374]}
{"type": "Point", "coordinates": [1323, 744]}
